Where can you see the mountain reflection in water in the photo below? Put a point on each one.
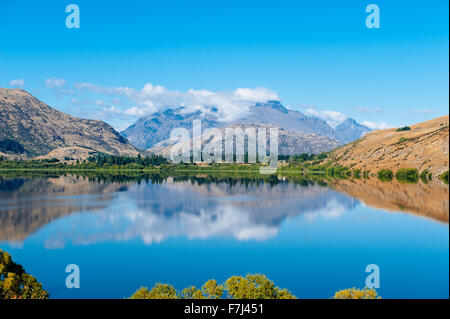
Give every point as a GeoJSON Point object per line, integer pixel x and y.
{"type": "Point", "coordinates": [198, 207]}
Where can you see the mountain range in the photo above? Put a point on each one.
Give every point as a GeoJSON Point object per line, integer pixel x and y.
{"type": "Point", "coordinates": [30, 128]}
{"type": "Point", "coordinates": [301, 133]}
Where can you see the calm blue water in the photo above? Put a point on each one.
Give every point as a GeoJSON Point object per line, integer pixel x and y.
{"type": "Point", "coordinates": [307, 238]}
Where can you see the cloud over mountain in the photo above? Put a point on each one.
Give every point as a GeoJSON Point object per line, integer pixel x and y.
{"type": "Point", "coordinates": [333, 118]}
{"type": "Point", "coordinates": [228, 105]}
{"type": "Point", "coordinates": [121, 105]}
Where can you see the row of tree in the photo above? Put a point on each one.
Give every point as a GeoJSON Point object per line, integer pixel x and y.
{"type": "Point", "coordinates": [252, 286]}
{"type": "Point", "coordinates": [105, 159]}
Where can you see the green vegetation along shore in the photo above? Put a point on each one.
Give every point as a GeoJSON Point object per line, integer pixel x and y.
{"type": "Point", "coordinates": [306, 164]}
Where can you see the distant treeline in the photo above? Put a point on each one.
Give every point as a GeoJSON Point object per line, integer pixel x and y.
{"type": "Point", "coordinates": [305, 164]}
{"type": "Point", "coordinates": [15, 178]}
{"type": "Point", "coordinates": [92, 162]}
{"type": "Point", "coordinates": [304, 157]}
{"type": "Point", "coordinates": [105, 160]}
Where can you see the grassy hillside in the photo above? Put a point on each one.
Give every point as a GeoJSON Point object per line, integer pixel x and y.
{"type": "Point", "coordinates": [422, 146]}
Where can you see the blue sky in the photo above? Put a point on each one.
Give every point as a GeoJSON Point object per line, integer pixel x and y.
{"type": "Point", "coordinates": [315, 56]}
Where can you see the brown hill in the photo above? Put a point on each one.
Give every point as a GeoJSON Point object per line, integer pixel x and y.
{"type": "Point", "coordinates": [30, 128]}
{"type": "Point", "coordinates": [424, 146]}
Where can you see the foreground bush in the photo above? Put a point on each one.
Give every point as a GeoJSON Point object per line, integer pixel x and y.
{"type": "Point", "coordinates": [15, 283]}
{"type": "Point", "coordinates": [252, 286]}
{"type": "Point", "coordinates": [255, 287]}
{"type": "Point", "coordinates": [159, 291]}
{"type": "Point", "coordinates": [385, 175]}
{"type": "Point", "coordinates": [407, 175]}
{"type": "Point", "coordinates": [354, 293]}
{"type": "Point", "coordinates": [444, 177]}
{"type": "Point", "coordinates": [426, 176]}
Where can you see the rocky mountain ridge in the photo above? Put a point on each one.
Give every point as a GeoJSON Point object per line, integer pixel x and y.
{"type": "Point", "coordinates": [30, 128]}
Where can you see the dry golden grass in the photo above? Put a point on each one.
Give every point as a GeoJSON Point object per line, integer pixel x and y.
{"type": "Point", "coordinates": [425, 146]}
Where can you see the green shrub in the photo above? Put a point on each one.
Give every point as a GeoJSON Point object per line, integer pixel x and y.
{"type": "Point", "coordinates": [330, 171]}
{"type": "Point", "coordinates": [252, 286]}
{"type": "Point", "coordinates": [356, 173]}
{"type": "Point", "coordinates": [385, 175]}
{"type": "Point", "coordinates": [403, 139]}
{"type": "Point", "coordinates": [404, 128]}
{"type": "Point", "coordinates": [407, 175]}
{"type": "Point", "coordinates": [15, 283]}
{"type": "Point", "coordinates": [444, 177]}
{"type": "Point", "coordinates": [354, 293]}
{"type": "Point", "coordinates": [342, 171]}
{"type": "Point", "coordinates": [425, 176]}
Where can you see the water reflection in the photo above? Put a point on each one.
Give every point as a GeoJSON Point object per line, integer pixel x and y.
{"type": "Point", "coordinates": [27, 204]}
{"type": "Point", "coordinates": [155, 208]}
{"type": "Point", "coordinates": [429, 200]}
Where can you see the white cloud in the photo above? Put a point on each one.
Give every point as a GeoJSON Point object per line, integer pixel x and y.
{"type": "Point", "coordinates": [423, 111]}
{"type": "Point", "coordinates": [256, 95]}
{"type": "Point", "coordinates": [333, 118]}
{"type": "Point", "coordinates": [55, 83]}
{"type": "Point", "coordinates": [135, 111]}
{"type": "Point", "coordinates": [117, 101]}
{"type": "Point", "coordinates": [100, 103]}
{"type": "Point", "coordinates": [375, 126]}
{"type": "Point", "coordinates": [95, 88]}
{"type": "Point", "coordinates": [17, 83]}
{"type": "Point", "coordinates": [111, 109]}
{"type": "Point", "coordinates": [152, 90]}
{"type": "Point", "coordinates": [333, 209]}
{"type": "Point", "coordinates": [227, 105]}
{"type": "Point", "coordinates": [369, 110]}
{"type": "Point", "coordinates": [130, 103]}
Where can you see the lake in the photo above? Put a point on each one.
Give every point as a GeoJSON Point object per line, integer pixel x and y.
{"type": "Point", "coordinates": [311, 237]}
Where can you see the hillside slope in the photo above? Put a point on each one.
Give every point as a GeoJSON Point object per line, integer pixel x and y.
{"type": "Point", "coordinates": [424, 146]}
{"type": "Point", "coordinates": [29, 128]}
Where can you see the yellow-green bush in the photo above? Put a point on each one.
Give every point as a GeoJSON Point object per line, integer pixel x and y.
{"type": "Point", "coordinates": [353, 293]}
